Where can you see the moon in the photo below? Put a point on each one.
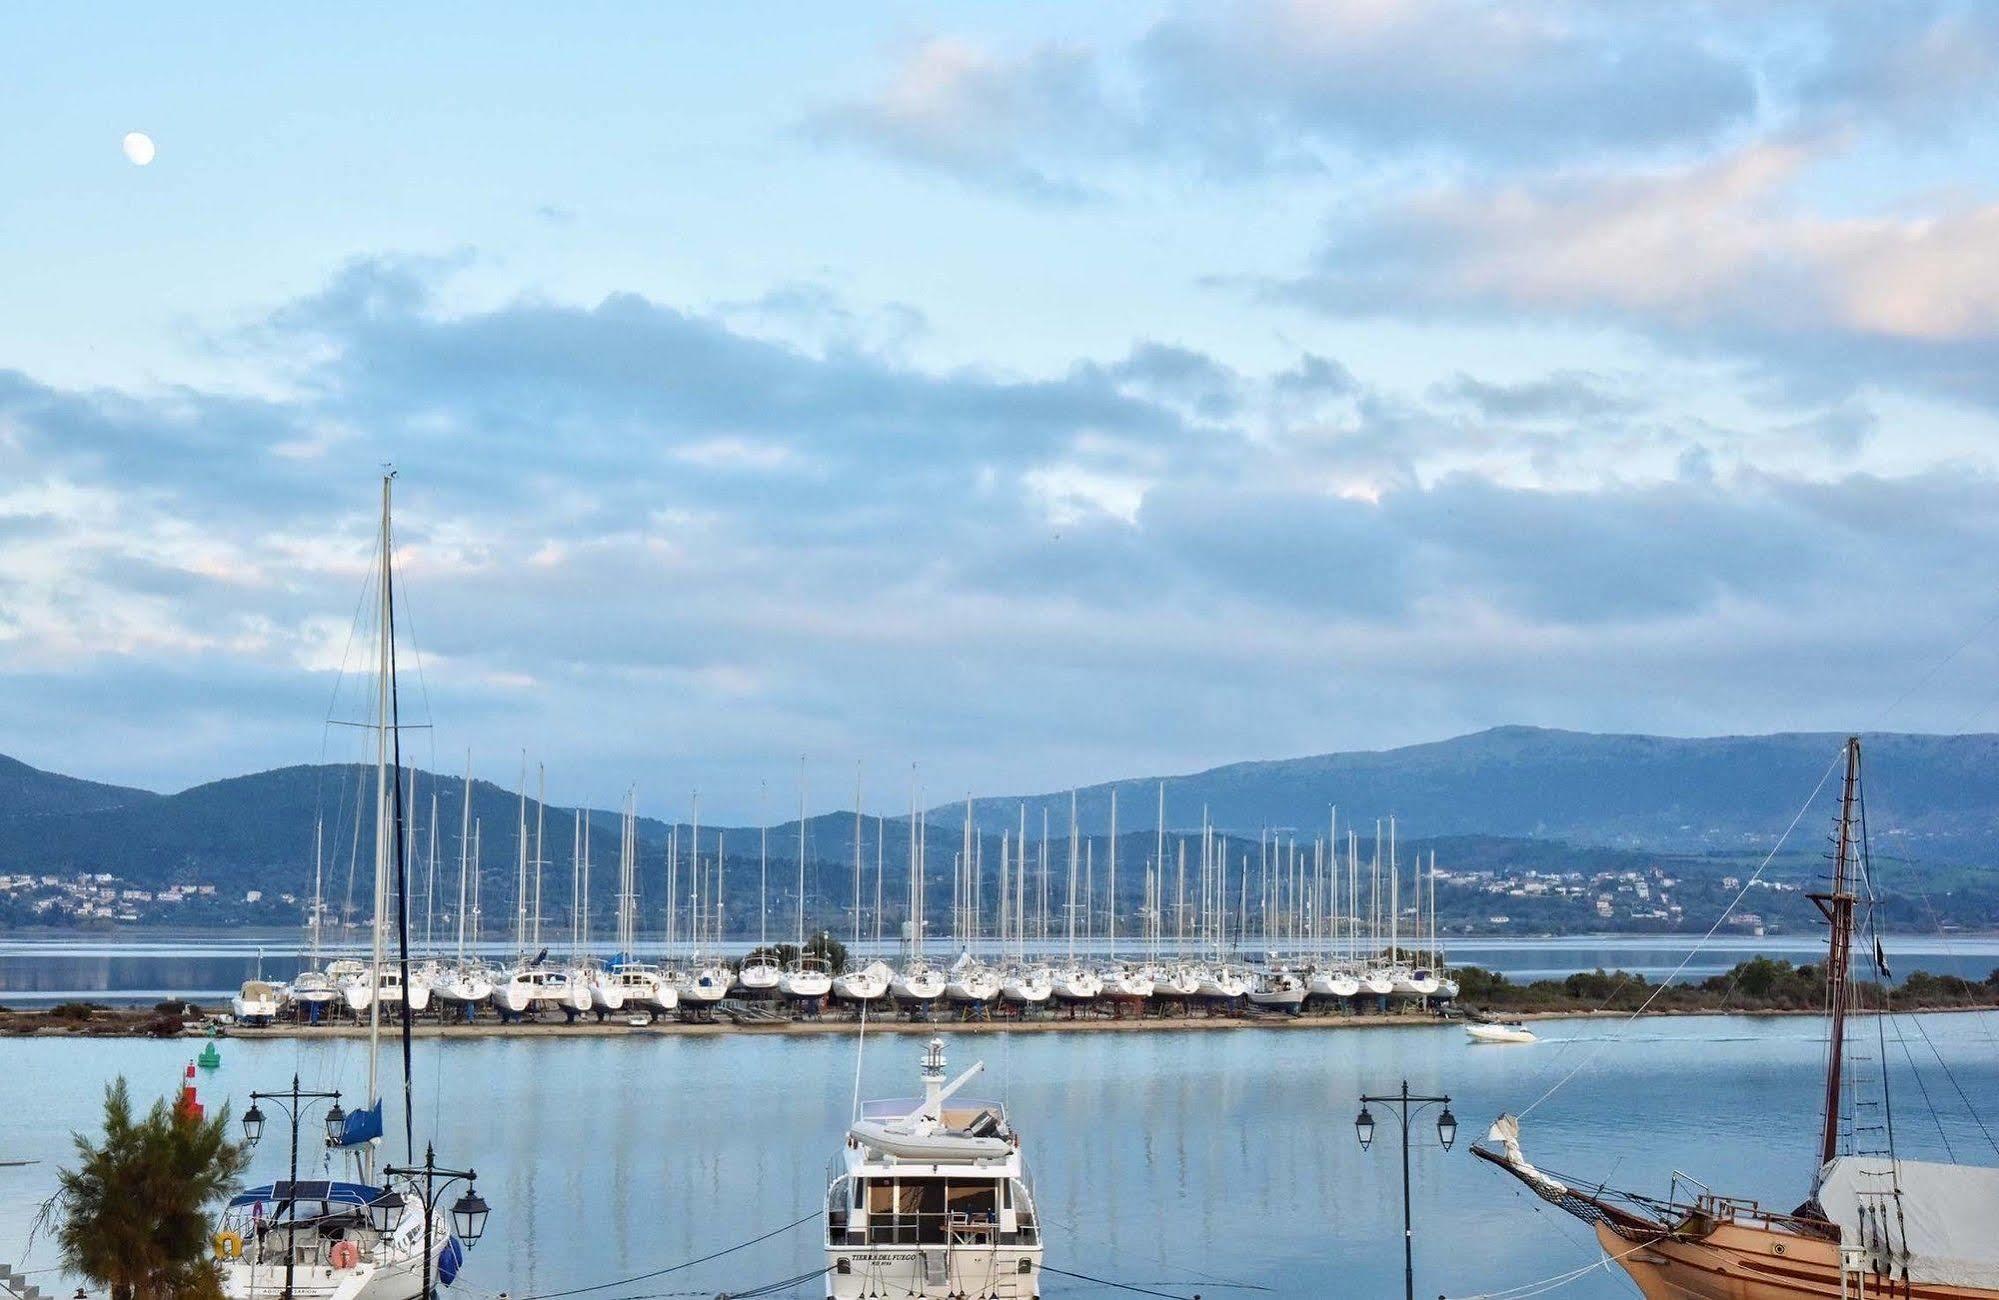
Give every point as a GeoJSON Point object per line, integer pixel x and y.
{"type": "Point", "coordinates": [138, 148]}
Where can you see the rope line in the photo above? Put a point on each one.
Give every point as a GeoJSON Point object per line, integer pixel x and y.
{"type": "Point", "coordinates": [1728, 911]}
{"type": "Point", "coordinates": [675, 1268]}
{"type": "Point", "coordinates": [1115, 1286]}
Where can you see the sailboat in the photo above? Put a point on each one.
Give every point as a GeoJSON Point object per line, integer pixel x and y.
{"type": "Point", "coordinates": [972, 981]}
{"type": "Point", "coordinates": [917, 980]}
{"type": "Point", "coordinates": [1076, 982]}
{"type": "Point", "coordinates": [1874, 1224]}
{"type": "Point", "coordinates": [360, 1239]}
{"type": "Point", "coordinates": [1127, 980]}
{"type": "Point", "coordinates": [312, 987]}
{"type": "Point", "coordinates": [465, 981]}
{"type": "Point", "coordinates": [1023, 980]}
{"type": "Point", "coordinates": [869, 981]}
{"type": "Point", "coordinates": [760, 972]}
{"type": "Point", "coordinates": [807, 978]}
{"type": "Point", "coordinates": [641, 986]}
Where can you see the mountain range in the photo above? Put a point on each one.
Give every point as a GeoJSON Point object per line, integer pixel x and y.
{"type": "Point", "coordinates": [1510, 794]}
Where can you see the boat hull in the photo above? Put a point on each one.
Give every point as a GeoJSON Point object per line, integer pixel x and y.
{"type": "Point", "coordinates": [1745, 1262]}
{"type": "Point", "coordinates": [933, 1272]}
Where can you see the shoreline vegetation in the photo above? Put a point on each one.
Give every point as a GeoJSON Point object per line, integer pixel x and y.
{"type": "Point", "coordinates": [1761, 986]}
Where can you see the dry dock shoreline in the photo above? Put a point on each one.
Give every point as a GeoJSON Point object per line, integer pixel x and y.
{"type": "Point", "coordinates": [133, 1024]}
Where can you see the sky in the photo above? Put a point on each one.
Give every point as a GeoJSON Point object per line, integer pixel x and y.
{"type": "Point", "coordinates": [1018, 396]}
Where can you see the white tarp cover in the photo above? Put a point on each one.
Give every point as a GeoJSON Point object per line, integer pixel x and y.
{"type": "Point", "coordinates": [1945, 1224]}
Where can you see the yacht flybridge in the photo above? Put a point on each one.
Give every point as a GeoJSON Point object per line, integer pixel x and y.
{"type": "Point", "coordinates": [929, 1196]}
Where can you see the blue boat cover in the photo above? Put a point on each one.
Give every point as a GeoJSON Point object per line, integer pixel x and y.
{"type": "Point", "coordinates": [337, 1193]}
{"type": "Point", "coordinates": [361, 1126]}
{"type": "Point", "coordinates": [450, 1261]}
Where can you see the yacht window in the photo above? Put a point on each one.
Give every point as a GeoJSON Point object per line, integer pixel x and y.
{"type": "Point", "coordinates": [979, 1199]}
{"type": "Point", "coordinates": [881, 1197]}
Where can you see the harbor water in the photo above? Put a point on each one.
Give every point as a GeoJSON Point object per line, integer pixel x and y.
{"type": "Point", "coordinates": [1184, 1162]}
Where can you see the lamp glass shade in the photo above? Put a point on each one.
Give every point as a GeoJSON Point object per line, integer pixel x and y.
{"type": "Point", "coordinates": [386, 1210]}
{"type": "Point", "coordinates": [253, 1124]}
{"type": "Point", "coordinates": [468, 1216]}
{"type": "Point", "coordinates": [336, 1123]}
{"type": "Point", "coordinates": [1363, 1126]}
{"type": "Point", "coordinates": [1447, 1128]}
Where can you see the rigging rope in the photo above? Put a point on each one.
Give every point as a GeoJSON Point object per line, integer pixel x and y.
{"type": "Point", "coordinates": [1742, 893]}
{"type": "Point", "coordinates": [1115, 1286]}
{"type": "Point", "coordinates": [675, 1268]}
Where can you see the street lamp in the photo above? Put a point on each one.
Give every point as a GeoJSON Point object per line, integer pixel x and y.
{"type": "Point", "coordinates": [293, 1103]}
{"type": "Point", "coordinates": [468, 1213]}
{"type": "Point", "coordinates": [1406, 1105]}
{"type": "Point", "coordinates": [336, 1122]}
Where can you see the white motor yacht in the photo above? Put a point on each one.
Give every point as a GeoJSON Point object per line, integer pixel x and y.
{"type": "Point", "coordinates": [1480, 1032]}
{"type": "Point", "coordinates": [930, 1200]}
{"type": "Point", "coordinates": [258, 1002]}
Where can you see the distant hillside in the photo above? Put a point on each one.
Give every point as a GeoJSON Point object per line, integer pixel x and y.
{"type": "Point", "coordinates": [27, 792]}
{"type": "Point", "coordinates": [1510, 799]}
{"type": "Point", "coordinates": [1936, 797]}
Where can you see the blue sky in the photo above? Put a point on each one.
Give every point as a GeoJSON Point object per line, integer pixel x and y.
{"type": "Point", "coordinates": [1035, 393]}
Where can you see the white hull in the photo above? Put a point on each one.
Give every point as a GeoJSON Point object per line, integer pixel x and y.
{"type": "Point", "coordinates": [920, 985]}
{"type": "Point", "coordinates": [706, 986]}
{"type": "Point", "coordinates": [1124, 982]}
{"type": "Point", "coordinates": [973, 984]}
{"type": "Point", "coordinates": [1077, 985]}
{"type": "Point", "coordinates": [1178, 982]}
{"type": "Point", "coordinates": [759, 977]}
{"type": "Point", "coordinates": [1280, 989]}
{"type": "Point", "coordinates": [934, 1272]}
{"type": "Point", "coordinates": [1225, 984]}
{"type": "Point", "coordinates": [1500, 1034]}
{"type": "Point", "coordinates": [1377, 983]}
{"type": "Point", "coordinates": [606, 994]}
{"type": "Point", "coordinates": [1333, 984]}
{"type": "Point", "coordinates": [1030, 987]}
{"type": "Point", "coordinates": [462, 986]}
{"type": "Point", "coordinates": [806, 985]}
{"type": "Point", "coordinates": [1420, 984]}
{"type": "Point", "coordinates": [864, 985]}
{"type": "Point", "coordinates": [398, 1276]}
{"type": "Point", "coordinates": [255, 1009]}
{"type": "Point", "coordinates": [313, 987]}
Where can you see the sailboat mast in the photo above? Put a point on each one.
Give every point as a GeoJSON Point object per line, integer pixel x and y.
{"type": "Point", "coordinates": [801, 857]}
{"type": "Point", "coordinates": [318, 872]}
{"type": "Point", "coordinates": [1837, 907]}
{"type": "Point", "coordinates": [1110, 887]}
{"type": "Point", "coordinates": [383, 828]}
{"type": "Point", "coordinates": [464, 852]}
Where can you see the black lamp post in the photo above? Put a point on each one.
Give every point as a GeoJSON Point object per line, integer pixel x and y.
{"type": "Point", "coordinates": [1406, 1106]}
{"type": "Point", "coordinates": [428, 1181]}
{"type": "Point", "coordinates": [293, 1104]}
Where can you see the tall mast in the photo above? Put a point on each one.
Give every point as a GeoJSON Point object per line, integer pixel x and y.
{"type": "Point", "coordinates": [464, 852]}
{"type": "Point", "coordinates": [384, 848]}
{"type": "Point", "coordinates": [521, 875]}
{"type": "Point", "coordinates": [1837, 907]}
{"type": "Point", "coordinates": [318, 872]}
{"type": "Point", "coordinates": [801, 857]}
{"type": "Point", "coordinates": [430, 881]}
{"type": "Point", "coordinates": [1069, 910]}
{"type": "Point", "coordinates": [857, 856]}
{"type": "Point", "coordinates": [1110, 891]}
{"type": "Point", "coordinates": [763, 868]}
{"type": "Point", "coordinates": [540, 825]}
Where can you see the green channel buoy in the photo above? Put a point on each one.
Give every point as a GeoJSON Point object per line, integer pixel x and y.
{"type": "Point", "coordinates": [209, 1059]}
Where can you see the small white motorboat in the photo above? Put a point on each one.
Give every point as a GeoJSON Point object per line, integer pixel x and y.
{"type": "Point", "coordinates": [1484, 1032]}
{"type": "Point", "coordinates": [258, 1002]}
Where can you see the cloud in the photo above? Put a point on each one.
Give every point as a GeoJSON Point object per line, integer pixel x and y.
{"type": "Point", "coordinates": [1278, 87]}
{"type": "Point", "coordinates": [1717, 256]}
{"type": "Point", "coordinates": [730, 547]}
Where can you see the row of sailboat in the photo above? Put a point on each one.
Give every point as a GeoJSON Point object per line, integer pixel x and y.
{"type": "Point", "coordinates": [1293, 923]}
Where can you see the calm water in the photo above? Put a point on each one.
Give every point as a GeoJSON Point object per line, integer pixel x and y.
{"type": "Point", "coordinates": [211, 967]}
{"type": "Point", "coordinates": [1176, 1160]}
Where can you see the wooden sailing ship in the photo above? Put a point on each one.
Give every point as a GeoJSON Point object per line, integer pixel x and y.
{"type": "Point", "coordinates": [1875, 1225]}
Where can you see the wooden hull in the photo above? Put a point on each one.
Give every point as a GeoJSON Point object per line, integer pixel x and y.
{"type": "Point", "coordinates": [1744, 1262]}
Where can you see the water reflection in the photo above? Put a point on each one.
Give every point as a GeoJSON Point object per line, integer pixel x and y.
{"type": "Point", "coordinates": [1161, 1157]}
